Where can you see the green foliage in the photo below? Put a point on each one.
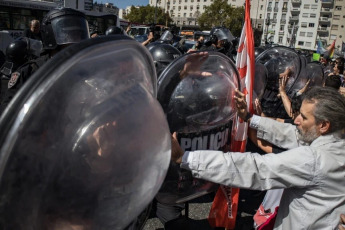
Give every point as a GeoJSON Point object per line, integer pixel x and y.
{"type": "Point", "coordinates": [146, 14]}
{"type": "Point", "coordinates": [220, 13]}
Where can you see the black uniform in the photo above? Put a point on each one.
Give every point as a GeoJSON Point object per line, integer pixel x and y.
{"type": "Point", "coordinates": [11, 84]}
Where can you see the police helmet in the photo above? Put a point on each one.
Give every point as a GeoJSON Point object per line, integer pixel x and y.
{"type": "Point", "coordinates": [64, 26]}
{"type": "Point", "coordinates": [114, 30]}
{"type": "Point", "coordinates": [163, 54]}
{"type": "Point", "coordinates": [17, 51]}
{"type": "Point", "coordinates": [219, 34]}
{"type": "Point", "coordinates": [23, 49]}
{"type": "Point", "coordinates": [258, 50]}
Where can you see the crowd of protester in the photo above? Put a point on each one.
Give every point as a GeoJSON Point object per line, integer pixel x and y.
{"type": "Point", "coordinates": [303, 169]}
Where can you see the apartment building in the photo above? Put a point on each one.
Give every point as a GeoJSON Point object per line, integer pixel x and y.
{"type": "Point", "coordinates": [301, 24]}
{"type": "Point", "coordinates": [186, 12]}
{"type": "Point", "coordinates": [294, 23]}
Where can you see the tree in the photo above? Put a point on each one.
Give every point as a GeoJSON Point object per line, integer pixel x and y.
{"type": "Point", "coordinates": [220, 13]}
{"type": "Point", "coordinates": [146, 14]}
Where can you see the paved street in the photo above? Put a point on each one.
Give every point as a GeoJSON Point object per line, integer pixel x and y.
{"type": "Point", "coordinates": [198, 213]}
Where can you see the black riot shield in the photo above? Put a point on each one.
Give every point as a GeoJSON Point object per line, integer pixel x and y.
{"type": "Point", "coordinates": [84, 144]}
{"type": "Point", "coordinates": [273, 62]}
{"type": "Point", "coordinates": [196, 93]}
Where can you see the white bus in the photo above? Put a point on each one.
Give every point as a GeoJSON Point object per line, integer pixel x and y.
{"type": "Point", "coordinates": [16, 16]}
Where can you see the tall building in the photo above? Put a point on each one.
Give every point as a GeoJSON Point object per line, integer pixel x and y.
{"type": "Point", "coordinates": [300, 24]}
{"type": "Point", "coordinates": [88, 4]}
{"type": "Point", "coordinates": [186, 12]}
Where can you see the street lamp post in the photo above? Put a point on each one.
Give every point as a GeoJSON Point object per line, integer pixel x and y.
{"type": "Point", "coordinates": [154, 20]}
{"type": "Point", "coordinates": [267, 24]}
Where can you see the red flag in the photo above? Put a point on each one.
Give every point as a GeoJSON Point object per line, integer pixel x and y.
{"type": "Point", "coordinates": [224, 207]}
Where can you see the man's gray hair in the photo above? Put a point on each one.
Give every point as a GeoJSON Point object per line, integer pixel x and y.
{"type": "Point", "coordinates": [329, 106]}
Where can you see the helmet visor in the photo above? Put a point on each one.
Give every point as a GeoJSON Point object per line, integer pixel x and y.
{"type": "Point", "coordinates": [70, 29]}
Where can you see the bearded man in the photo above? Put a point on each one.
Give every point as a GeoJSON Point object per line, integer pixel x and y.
{"type": "Point", "coordinates": [311, 172]}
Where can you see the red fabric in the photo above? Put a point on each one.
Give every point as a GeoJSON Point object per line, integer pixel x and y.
{"type": "Point", "coordinates": [270, 220]}
{"type": "Point", "coordinates": [219, 215]}
{"type": "Point", "coordinates": [224, 208]}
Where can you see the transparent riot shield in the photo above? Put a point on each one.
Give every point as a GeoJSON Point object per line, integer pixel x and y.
{"type": "Point", "coordinates": [84, 144]}
{"type": "Point", "coordinates": [277, 60]}
{"type": "Point", "coordinates": [311, 74]}
{"type": "Point", "coordinates": [196, 93]}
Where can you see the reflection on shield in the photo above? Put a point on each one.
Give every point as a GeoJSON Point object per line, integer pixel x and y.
{"type": "Point", "coordinates": [79, 142]}
{"type": "Point", "coordinates": [200, 109]}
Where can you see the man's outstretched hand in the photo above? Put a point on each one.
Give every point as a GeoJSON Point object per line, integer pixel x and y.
{"type": "Point", "coordinates": [241, 104]}
{"type": "Point", "coordinates": [193, 64]}
{"type": "Point", "coordinates": [176, 151]}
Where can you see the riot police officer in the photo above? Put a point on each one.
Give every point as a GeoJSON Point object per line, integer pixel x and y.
{"type": "Point", "coordinates": [163, 54]}
{"type": "Point", "coordinates": [19, 65]}
{"type": "Point", "coordinates": [221, 40]}
{"type": "Point", "coordinates": [60, 28]}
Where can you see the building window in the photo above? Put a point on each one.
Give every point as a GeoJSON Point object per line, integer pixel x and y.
{"type": "Point", "coordinates": [308, 44]}
{"type": "Point", "coordinates": [185, 7]}
{"type": "Point", "coordinates": [197, 7]}
{"type": "Point", "coordinates": [259, 26]}
{"type": "Point", "coordinates": [310, 34]}
{"type": "Point", "coordinates": [190, 14]}
{"type": "Point", "coordinates": [334, 27]}
{"type": "Point", "coordinates": [306, 6]}
{"type": "Point", "coordinates": [275, 16]}
{"type": "Point", "coordinates": [178, 15]}
{"type": "Point", "coordinates": [302, 34]}
{"type": "Point", "coordinates": [300, 43]}
{"type": "Point", "coordinates": [261, 7]}
{"type": "Point", "coordinates": [261, 16]}
{"type": "Point", "coordinates": [337, 7]}
{"type": "Point", "coordinates": [204, 6]}
{"type": "Point", "coordinates": [280, 40]}
{"type": "Point", "coordinates": [312, 15]}
{"type": "Point", "coordinates": [191, 7]}
{"type": "Point", "coordinates": [336, 17]}
{"type": "Point", "coordinates": [184, 14]}
{"type": "Point", "coordinates": [313, 7]}
{"type": "Point", "coordinates": [305, 15]}
{"type": "Point", "coordinates": [304, 24]}
{"type": "Point", "coordinates": [311, 24]}
{"type": "Point", "coordinates": [333, 37]}
{"type": "Point", "coordinates": [281, 28]}
{"type": "Point", "coordinates": [173, 7]}
{"type": "Point", "coordinates": [285, 6]}
{"type": "Point", "coordinates": [184, 22]}
{"type": "Point", "coordinates": [178, 22]}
